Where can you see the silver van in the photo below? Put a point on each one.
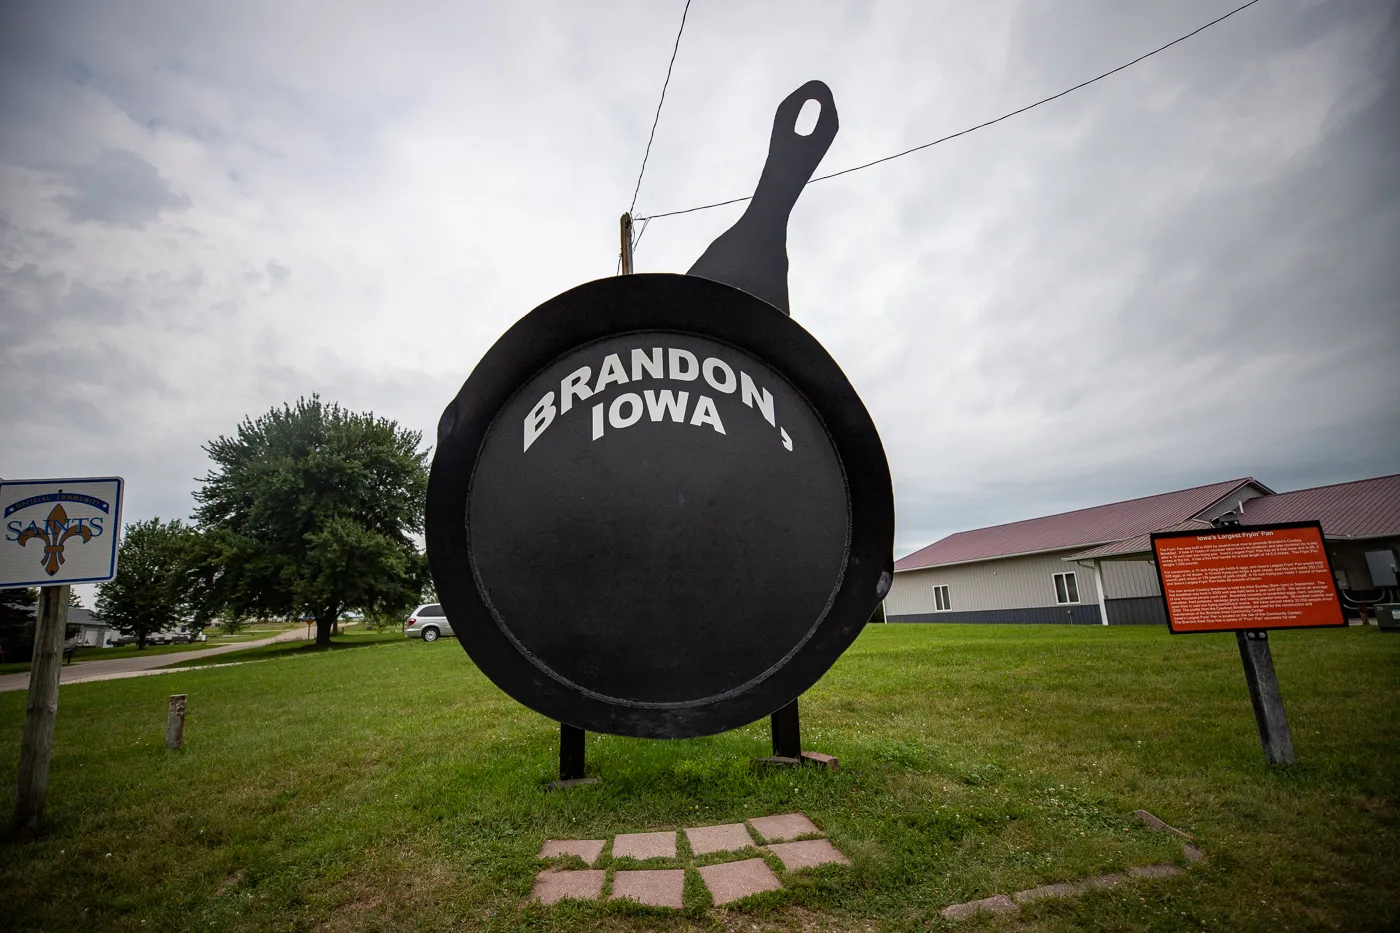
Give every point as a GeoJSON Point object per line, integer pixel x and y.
{"type": "Point", "coordinates": [427, 622]}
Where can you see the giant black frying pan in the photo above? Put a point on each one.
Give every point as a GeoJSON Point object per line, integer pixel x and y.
{"type": "Point", "coordinates": [657, 507]}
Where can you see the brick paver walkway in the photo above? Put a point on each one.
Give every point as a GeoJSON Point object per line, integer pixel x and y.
{"type": "Point", "coordinates": [732, 879]}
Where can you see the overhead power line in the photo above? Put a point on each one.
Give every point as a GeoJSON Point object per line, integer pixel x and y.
{"type": "Point", "coordinates": [657, 119]}
{"type": "Point", "coordinates": [970, 129]}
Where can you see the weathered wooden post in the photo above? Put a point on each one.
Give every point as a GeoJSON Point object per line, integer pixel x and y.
{"type": "Point", "coordinates": [175, 721]}
{"type": "Point", "coordinates": [62, 531]}
{"type": "Point", "coordinates": [625, 266]}
{"type": "Point", "coordinates": [1264, 695]}
{"type": "Point", "coordinates": [41, 710]}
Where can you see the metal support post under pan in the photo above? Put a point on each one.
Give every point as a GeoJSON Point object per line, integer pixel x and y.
{"type": "Point", "coordinates": [571, 758]}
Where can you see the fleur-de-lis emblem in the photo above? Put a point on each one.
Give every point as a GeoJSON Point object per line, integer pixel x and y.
{"type": "Point", "coordinates": [55, 534]}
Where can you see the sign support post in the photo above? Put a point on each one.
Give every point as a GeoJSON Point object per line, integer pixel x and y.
{"type": "Point", "coordinates": [41, 710]}
{"type": "Point", "coordinates": [57, 532]}
{"type": "Point", "coordinates": [571, 754]}
{"type": "Point", "coordinates": [787, 732]}
{"type": "Point", "coordinates": [1274, 734]}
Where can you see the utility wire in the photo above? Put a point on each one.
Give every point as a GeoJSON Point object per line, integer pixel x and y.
{"type": "Point", "coordinates": [970, 129]}
{"type": "Point", "coordinates": [657, 119]}
{"type": "Point", "coordinates": [641, 233]}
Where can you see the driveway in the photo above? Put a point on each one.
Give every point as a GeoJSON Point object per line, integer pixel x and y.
{"type": "Point", "coordinates": [140, 666]}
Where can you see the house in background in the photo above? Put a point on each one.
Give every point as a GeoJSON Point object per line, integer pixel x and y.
{"type": "Point", "coordinates": [1093, 566]}
{"type": "Point", "coordinates": [92, 631]}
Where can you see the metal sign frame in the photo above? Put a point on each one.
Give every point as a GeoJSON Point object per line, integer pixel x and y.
{"type": "Point", "coordinates": [1237, 530]}
{"type": "Point", "coordinates": [51, 539]}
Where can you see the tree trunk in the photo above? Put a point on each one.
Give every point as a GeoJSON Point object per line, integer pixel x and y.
{"type": "Point", "coordinates": [323, 630]}
{"type": "Point", "coordinates": [140, 641]}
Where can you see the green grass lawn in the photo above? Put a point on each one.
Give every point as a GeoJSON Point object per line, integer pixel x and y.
{"type": "Point", "coordinates": [393, 787]}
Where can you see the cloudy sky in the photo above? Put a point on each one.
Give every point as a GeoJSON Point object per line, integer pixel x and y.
{"type": "Point", "coordinates": [1185, 273]}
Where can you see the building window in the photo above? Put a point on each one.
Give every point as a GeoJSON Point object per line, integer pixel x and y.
{"type": "Point", "coordinates": [1066, 590]}
{"type": "Point", "coordinates": [940, 599]}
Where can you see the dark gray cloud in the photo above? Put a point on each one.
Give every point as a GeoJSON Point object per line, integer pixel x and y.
{"type": "Point", "coordinates": [119, 188]}
{"type": "Point", "coordinates": [1182, 274]}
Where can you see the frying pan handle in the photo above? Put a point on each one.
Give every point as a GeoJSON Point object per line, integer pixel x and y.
{"type": "Point", "coordinates": [793, 159]}
{"type": "Point", "coordinates": [752, 254]}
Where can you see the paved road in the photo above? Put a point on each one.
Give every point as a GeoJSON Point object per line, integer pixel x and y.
{"type": "Point", "coordinates": [139, 665]}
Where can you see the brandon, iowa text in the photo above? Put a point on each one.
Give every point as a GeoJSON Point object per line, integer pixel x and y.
{"type": "Point", "coordinates": [628, 408]}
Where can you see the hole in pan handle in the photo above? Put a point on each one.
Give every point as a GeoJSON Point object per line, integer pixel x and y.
{"type": "Point", "coordinates": [752, 254]}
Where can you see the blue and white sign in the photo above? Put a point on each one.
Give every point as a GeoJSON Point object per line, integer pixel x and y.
{"type": "Point", "coordinates": [55, 531]}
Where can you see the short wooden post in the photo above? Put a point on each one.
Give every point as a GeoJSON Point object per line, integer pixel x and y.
{"type": "Point", "coordinates": [1274, 734]}
{"type": "Point", "coordinates": [175, 721]}
{"type": "Point", "coordinates": [36, 747]}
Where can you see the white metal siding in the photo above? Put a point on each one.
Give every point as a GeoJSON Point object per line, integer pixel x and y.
{"type": "Point", "coordinates": [1130, 579]}
{"type": "Point", "coordinates": [1008, 583]}
{"type": "Point", "coordinates": [1230, 503]}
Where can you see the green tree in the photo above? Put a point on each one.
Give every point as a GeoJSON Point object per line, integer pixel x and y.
{"type": "Point", "coordinates": [312, 511]}
{"type": "Point", "coordinates": [207, 581]}
{"type": "Point", "coordinates": [17, 608]}
{"type": "Point", "coordinates": [150, 591]}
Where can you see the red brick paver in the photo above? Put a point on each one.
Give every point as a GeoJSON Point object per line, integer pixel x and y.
{"type": "Point", "coordinates": [730, 837]}
{"type": "Point", "coordinates": [552, 886]}
{"type": "Point", "coordinates": [730, 881]}
{"type": "Point", "coordinates": [586, 849]}
{"type": "Point", "coordinates": [654, 888]}
{"type": "Point", "coordinates": [810, 853]}
{"type": "Point", "coordinates": [783, 827]}
{"type": "Point", "coordinates": [644, 845]}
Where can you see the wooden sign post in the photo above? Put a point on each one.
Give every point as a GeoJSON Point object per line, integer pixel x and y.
{"type": "Point", "coordinates": [56, 532]}
{"type": "Point", "coordinates": [1248, 581]}
{"type": "Point", "coordinates": [1264, 696]}
{"type": "Point", "coordinates": [40, 710]}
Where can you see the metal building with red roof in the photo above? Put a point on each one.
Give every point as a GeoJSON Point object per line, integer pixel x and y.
{"type": "Point", "coordinates": [1092, 566]}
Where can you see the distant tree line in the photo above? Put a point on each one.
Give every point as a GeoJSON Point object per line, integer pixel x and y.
{"type": "Point", "coordinates": [309, 512]}
{"type": "Point", "coordinates": [18, 615]}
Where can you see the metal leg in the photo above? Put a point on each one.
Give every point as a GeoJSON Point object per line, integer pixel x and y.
{"type": "Point", "coordinates": [1274, 734]}
{"type": "Point", "coordinates": [570, 752]}
{"type": "Point", "coordinates": [787, 732]}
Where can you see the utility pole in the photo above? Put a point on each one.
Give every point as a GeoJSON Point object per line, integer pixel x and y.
{"type": "Point", "coordinates": [626, 244]}
{"type": "Point", "coordinates": [572, 751]}
{"type": "Point", "coordinates": [41, 710]}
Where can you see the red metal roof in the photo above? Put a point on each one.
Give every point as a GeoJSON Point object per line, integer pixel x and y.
{"type": "Point", "coordinates": [1365, 508]}
{"type": "Point", "coordinates": [1081, 528]}
{"type": "Point", "coordinates": [1138, 544]}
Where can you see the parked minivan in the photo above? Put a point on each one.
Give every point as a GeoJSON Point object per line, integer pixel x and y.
{"type": "Point", "coordinates": [427, 622]}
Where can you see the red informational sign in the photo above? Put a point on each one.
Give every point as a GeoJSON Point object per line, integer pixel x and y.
{"type": "Point", "coordinates": [1236, 578]}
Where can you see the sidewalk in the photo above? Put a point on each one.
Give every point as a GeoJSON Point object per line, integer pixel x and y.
{"type": "Point", "coordinates": [140, 666]}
